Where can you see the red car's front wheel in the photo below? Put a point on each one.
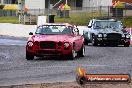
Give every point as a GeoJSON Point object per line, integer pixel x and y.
{"type": "Point", "coordinates": [71, 55]}
{"type": "Point", "coordinates": [81, 53]}
{"type": "Point", "coordinates": [29, 56]}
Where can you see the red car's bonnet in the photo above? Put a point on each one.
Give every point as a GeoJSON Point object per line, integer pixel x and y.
{"type": "Point", "coordinates": [55, 38]}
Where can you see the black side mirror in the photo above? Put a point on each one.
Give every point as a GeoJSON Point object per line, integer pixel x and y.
{"type": "Point", "coordinates": [31, 33]}
{"type": "Point", "coordinates": [89, 26]}
{"type": "Point", "coordinates": [77, 31]}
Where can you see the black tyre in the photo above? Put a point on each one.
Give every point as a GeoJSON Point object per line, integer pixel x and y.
{"type": "Point", "coordinates": [29, 56]}
{"type": "Point", "coordinates": [81, 80]}
{"type": "Point", "coordinates": [86, 42]}
{"type": "Point", "coordinates": [81, 53]}
{"type": "Point", "coordinates": [72, 55]}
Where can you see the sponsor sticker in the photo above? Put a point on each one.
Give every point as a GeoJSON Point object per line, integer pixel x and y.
{"type": "Point", "coordinates": [83, 78]}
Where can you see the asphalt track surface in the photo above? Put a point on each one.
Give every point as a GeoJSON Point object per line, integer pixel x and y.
{"type": "Point", "coordinates": [16, 70]}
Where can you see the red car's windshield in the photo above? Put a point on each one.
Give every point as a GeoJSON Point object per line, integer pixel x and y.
{"type": "Point", "coordinates": [55, 30]}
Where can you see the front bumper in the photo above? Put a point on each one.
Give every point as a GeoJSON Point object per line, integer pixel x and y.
{"type": "Point", "coordinates": [112, 41]}
{"type": "Point", "coordinates": [48, 49]}
{"type": "Point", "coordinates": [48, 52]}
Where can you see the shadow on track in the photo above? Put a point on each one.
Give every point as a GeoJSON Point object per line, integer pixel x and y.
{"type": "Point", "coordinates": [108, 45]}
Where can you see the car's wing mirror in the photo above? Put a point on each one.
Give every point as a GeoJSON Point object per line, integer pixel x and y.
{"type": "Point", "coordinates": [31, 33]}
{"type": "Point", "coordinates": [77, 31]}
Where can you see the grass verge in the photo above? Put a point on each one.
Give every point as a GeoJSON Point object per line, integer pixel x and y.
{"type": "Point", "coordinates": [9, 19]}
{"type": "Point", "coordinates": [78, 19]}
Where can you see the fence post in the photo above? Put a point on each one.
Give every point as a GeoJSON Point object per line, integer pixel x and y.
{"type": "Point", "coordinates": [130, 36]}
{"type": "Point", "coordinates": [100, 11]}
{"type": "Point", "coordinates": [30, 19]}
{"type": "Point", "coordinates": [116, 13]}
{"type": "Point", "coordinates": [108, 11]}
{"type": "Point", "coordinates": [124, 12]}
{"type": "Point", "coordinates": [92, 11]}
{"type": "Point", "coordinates": [39, 12]}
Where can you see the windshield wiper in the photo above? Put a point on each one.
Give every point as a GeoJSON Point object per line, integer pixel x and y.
{"type": "Point", "coordinates": [52, 34]}
{"type": "Point", "coordinates": [41, 33]}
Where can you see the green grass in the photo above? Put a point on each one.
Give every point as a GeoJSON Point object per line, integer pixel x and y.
{"type": "Point", "coordinates": [77, 21]}
{"type": "Point", "coordinates": [78, 18]}
{"type": "Point", "coordinates": [127, 21]}
{"type": "Point", "coordinates": [75, 18]}
{"type": "Point", "coordinates": [9, 19]}
{"type": "Point", "coordinates": [82, 17]}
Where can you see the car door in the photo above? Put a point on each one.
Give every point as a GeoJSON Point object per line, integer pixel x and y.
{"type": "Point", "coordinates": [78, 39]}
{"type": "Point", "coordinates": [90, 30]}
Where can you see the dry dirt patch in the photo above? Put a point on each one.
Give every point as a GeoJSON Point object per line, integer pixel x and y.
{"type": "Point", "coordinates": [70, 85]}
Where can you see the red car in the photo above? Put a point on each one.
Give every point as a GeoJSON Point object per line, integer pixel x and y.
{"type": "Point", "coordinates": [51, 40]}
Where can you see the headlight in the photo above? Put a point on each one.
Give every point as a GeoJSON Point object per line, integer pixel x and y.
{"type": "Point", "coordinates": [66, 44]}
{"type": "Point", "coordinates": [30, 44]}
{"type": "Point", "coordinates": [105, 35]}
{"type": "Point", "coordinates": [99, 35]}
{"type": "Point", "coordinates": [123, 35]}
{"type": "Point", "coordinates": [127, 36]}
